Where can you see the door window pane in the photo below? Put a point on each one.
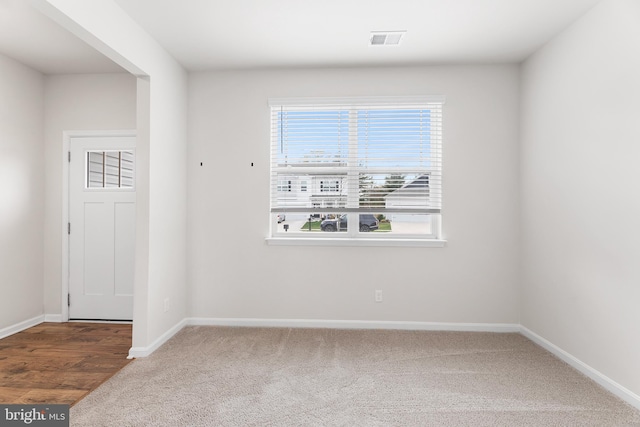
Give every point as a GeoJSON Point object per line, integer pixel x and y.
{"type": "Point", "coordinates": [110, 169]}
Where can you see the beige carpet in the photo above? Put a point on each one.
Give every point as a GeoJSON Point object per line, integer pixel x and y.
{"type": "Point", "coordinates": [209, 376]}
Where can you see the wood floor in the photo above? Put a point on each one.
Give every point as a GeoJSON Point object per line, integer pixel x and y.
{"type": "Point", "coordinates": [59, 363]}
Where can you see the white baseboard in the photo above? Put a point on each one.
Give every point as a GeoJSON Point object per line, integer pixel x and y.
{"type": "Point", "coordinates": [601, 379]}
{"type": "Point", "coordinates": [354, 324]}
{"type": "Point", "coordinates": [146, 351]}
{"type": "Point", "coordinates": [14, 329]}
{"type": "Point", "coordinates": [138, 352]}
{"type": "Point", "coordinates": [54, 318]}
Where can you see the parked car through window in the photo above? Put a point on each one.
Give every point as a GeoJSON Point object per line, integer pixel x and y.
{"type": "Point", "coordinates": [368, 222]}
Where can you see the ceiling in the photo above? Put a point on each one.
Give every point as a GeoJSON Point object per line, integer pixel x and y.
{"type": "Point", "coordinates": [235, 34]}
{"type": "Point", "coordinates": [31, 38]}
{"type": "Point", "coordinates": [216, 34]}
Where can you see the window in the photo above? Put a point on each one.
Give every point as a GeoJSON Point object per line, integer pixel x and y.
{"type": "Point", "coordinates": [110, 169]}
{"type": "Point", "coordinates": [329, 186]}
{"type": "Point", "coordinates": [284, 185]}
{"type": "Point", "coordinates": [374, 166]}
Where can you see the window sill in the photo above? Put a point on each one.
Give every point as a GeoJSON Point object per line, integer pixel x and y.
{"type": "Point", "coordinates": [302, 241]}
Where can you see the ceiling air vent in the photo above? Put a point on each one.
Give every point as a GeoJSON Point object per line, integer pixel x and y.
{"type": "Point", "coordinates": [386, 38]}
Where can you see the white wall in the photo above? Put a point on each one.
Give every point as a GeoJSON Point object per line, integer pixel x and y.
{"type": "Point", "coordinates": [21, 192]}
{"type": "Point", "coordinates": [580, 186]}
{"type": "Point", "coordinates": [75, 102]}
{"type": "Point", "coordinates": [161, 154]}
{"type": "Point", "coordinates": [234, 274]}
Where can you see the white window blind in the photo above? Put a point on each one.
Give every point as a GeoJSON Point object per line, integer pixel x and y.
{"type": "Point", "coordinates": [373, 155]}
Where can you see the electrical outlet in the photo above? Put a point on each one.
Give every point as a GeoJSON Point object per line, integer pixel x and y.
{"type": "Point", "coordinates": [379, 295]}
{"type": "Point", "coordinates": [167, 305]}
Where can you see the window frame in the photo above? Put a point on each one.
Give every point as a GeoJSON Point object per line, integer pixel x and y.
{"type": "Point", "coordinates": [353, 237]}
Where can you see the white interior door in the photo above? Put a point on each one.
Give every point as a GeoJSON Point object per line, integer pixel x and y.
{"type": "Point", "coordinates": [102, 208]}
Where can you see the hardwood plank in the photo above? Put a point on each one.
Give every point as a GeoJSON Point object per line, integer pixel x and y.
{"type": "Point", "coordinates": [39, 363]}
{"type": "Point", "coordinates": [52, 380]}
{"type": "Point", "coordinates": [119, 340]}
{"type": "Point", "coordinates": [100, 364]}
{"type": "Point", "coordinates": [60, 362]}
{"type": "Point", "coordinates": [62, 397]}
{"type": "Point", "coordinates": [9, 395]}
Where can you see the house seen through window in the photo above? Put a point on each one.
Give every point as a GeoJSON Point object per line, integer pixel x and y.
{"type": "Point", "coordinates": [356, 168]}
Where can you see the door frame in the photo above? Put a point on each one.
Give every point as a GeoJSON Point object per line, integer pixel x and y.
{"type": "Point", "coordinates": [67, 136]}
